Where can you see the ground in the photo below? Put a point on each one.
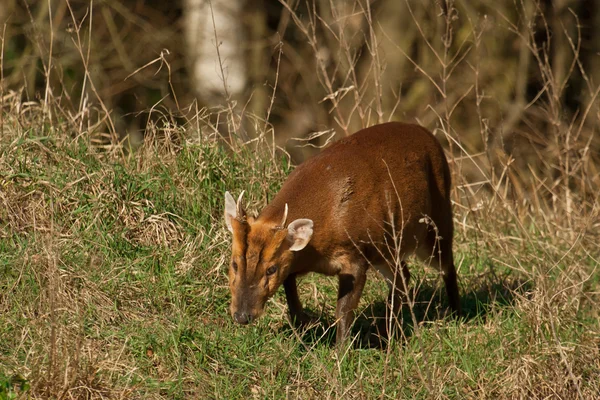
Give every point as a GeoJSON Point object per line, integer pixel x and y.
{"type": "Point", "coordinates": [113, 285]}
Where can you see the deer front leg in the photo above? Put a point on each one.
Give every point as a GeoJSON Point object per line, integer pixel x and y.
{"type": "Point", "coordinates": [351, 284]}
{"type": "Point", "coordinates": [297, 314]}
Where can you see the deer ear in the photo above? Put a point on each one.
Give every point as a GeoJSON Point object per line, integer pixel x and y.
{"type": "Point", "coordinates": [299, 233]}
{"type": "Point", "coordinates": [230, 210]}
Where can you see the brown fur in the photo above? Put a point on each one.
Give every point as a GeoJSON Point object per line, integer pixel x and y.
{"type": "Point", "coordinates": [357, 192]}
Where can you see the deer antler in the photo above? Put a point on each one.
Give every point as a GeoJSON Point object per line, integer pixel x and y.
{"type": "Point", "coordinates": [241, 214]}
{"type": "Point", "coordinates": [285, 213]}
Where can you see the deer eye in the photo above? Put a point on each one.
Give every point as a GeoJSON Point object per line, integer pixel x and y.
{"type": "Point", "coordinates": [234, 266]}
{"type": "Point", "coordinates": [272, 269]}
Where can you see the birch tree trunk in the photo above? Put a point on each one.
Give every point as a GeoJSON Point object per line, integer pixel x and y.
{"type": "Point", "coordinates": [214, 39]}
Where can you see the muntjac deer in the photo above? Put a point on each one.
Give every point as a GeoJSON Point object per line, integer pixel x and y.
{"type": "Point", "coordinates": [370, 199]}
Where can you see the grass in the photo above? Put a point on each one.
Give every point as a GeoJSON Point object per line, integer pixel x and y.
{"type": "Point", "coordinates": [113, 285]}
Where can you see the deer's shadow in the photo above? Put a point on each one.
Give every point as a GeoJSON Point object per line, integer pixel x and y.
{"type": "Point", "coordinates": [428, 304]}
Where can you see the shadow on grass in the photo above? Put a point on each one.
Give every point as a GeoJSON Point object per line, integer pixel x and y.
{"type": "Point", "coordinates": [479, 295]}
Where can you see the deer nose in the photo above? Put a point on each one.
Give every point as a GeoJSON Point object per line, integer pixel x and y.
{"type": "Point", "coordinates": [242, 318]}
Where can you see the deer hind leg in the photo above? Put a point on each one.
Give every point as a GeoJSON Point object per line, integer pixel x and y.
{"type": "Point", "coordinates": [438, 251]}
{"type": "Point", "coordinates": [397, 280]}
{"type": "Point", "coordinates": [399, 288]}
{"type": "Point", "coordinates": [449, 276]}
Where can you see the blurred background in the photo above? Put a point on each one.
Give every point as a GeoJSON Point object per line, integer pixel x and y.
{"type": "Point", "coordinates": [510, 87]}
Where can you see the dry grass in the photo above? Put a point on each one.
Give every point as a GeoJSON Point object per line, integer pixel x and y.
{"type": "Point", "coordinates": [114, 287]}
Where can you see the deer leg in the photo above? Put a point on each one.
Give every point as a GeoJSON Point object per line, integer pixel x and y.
{"type": "Point", "coordinates": [297, 315]}
{"type": "Point", "coordinates": [351, 285]}
{"type": "Point", "coordinates": [399, 289]}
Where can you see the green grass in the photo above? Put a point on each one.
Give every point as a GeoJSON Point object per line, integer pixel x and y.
{"type": "Point", "coordinates": [113, 284]}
